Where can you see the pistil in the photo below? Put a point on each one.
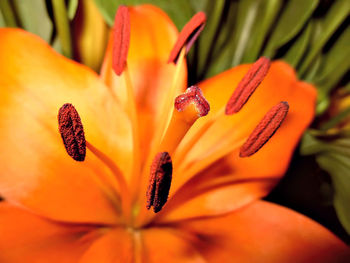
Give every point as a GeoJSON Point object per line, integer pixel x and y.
{"type": "Point", "coordinates": [188, 108]}
{"type": "Point", "coordinates": [186, 39]}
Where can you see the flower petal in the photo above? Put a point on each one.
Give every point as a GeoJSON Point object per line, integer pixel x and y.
{"type": "Point", "coordinates": [113, 247]}
{"type": "Point", "coordinates": [160, 244]}
{"type": "Point", "coordinates": [151, 39]}
{"type": "Point", "coordinates": [219, 184]}
{"type": "Point", "coordinates": [265, 232]}
{"type": "Point", "coordinates": [28, 238]}
{"type": "Point", "coordinates": [36, 170]}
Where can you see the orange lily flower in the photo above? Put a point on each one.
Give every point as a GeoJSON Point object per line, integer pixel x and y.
{"type": "Point", "coordinates": [60, 210]}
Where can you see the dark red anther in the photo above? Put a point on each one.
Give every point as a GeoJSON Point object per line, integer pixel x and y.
{"type": "Point", "coordinates": [188, 35]}
{"type": "Point", "coordinates": [160, 181]}
{"type": "Point", "coordinates": [248, 85]}
{"type": "Point", "coordinates": [121, 39]}
{"type": "Point", "coordinates": [72, 132]}
{"type": "Point", "coordinates": [265, 129]}
{"type": "Point", "coordinates": [193, 95]}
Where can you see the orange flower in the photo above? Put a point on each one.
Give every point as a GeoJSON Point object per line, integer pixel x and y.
{"type": "Point", "coordinates": [60, 210]}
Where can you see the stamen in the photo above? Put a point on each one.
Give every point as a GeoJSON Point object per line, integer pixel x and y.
{"type": "Point", "coordinates": [265, 129]}
{"type": "Point", "coordinates": [121, 39]}
{"type": "Point", "coordinates": [248, 85]}
{"type": "Point", "coordinates": [188, 35]}
{"type": "Point", "coordinates": [189, 106]}
{"type": "Point", "coordinates": [72, 132]}
{"type": "Point", "coordinates": [194, 96]}
{"type": "Point", "coordinates": [160, 181]}
{"type": "Point", "coordinates": [121, 42]}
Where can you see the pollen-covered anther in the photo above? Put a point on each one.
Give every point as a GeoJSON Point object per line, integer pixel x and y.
{"type": "Point", "coordinates": [160, 181]}
{"type": "Point", "coordinates": [72, 132]}
{"type": "Point", "coordinates": [121, 39]}
{"type": "Point", "coordinates": [248, 85]}
{"type": "Point", "coordinates": [192, 96]}
{"type": "Point", "coordinates": [188, 35]}
{"type": "Point", "coordinates": [265, 129]}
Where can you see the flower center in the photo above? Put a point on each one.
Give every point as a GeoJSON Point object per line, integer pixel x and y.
{"type": "Point", "coordinates": [174, 124]}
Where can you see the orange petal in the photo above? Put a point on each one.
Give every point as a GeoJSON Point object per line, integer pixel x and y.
{"type": "Point", "coordinates": [36, 170]}
{"type": "Point", "coordinates": [212, 199]}
{"type": "Point", "coordinates": [265, 232]}
{"type": "Point", "coordinates": [29, 238]}
{"type": "Point", "coordinates": [165, 244]}
{"type": "Point", "coordinates": [114, 247]}
{"type": "Point", "coordinates": [152, 37]}
{"type": "Point", "coordinates": [217, 185]}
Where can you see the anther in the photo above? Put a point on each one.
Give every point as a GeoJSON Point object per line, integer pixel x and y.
{"type": "Point", "coordinates": [160, 181]}
{"type": "Point", "coordinates": [192, 96]}
{"type": "Point", "coordinates": [265, 129]}
{"type": "Point", "coordinates": [188, 35]}
{"type": "Point", "coordinates": [121, 39]}
{"type": "Point", "coordinates": [72, 132]}
{"type": "Point", "coordinates": [248, 85]}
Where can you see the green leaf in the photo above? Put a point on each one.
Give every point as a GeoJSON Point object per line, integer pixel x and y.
{"type": "Point", "coordinates": [247, 13]}
{"type": "Point", "coordinates": [72, 8]}
{"type": "Point", "coordinates": [34, 18]}
{"type": "Point", "coordinates": [108, 9]}
{"type": "Point", "coordinates": [207, 41]}
{"type": "Point", "coordinates": [2, 20]}
{"type": "Point", "coordinates": [180, 11]}
{"type": "Point", "coordinates": [8, 13]}
{"type": "Point", "coordinates": [293, 18]}
{"type": "Point", "coordinates": [336, 75]}
{"type": "Point", "coordinates": [335, 56]}
{"type": "Point", "coordinates": [222, 50]}
{"type": "Point", "coordinates": [338, 166]}
{"type": "Point", "coordinates": [333, 155]}
{"type": "Point", "coordinates": [298, 48]}
{"type": "Point", "coordinates": [312, 70]}
{"type": "Point", "coordinates": [334, 17]}
{"type": "Point", "coordinates": [56, 45]}
{"type": "Point", "coordinates": [310, 145]}
{"type": "Point", "coordinates": [199, 5]}
{"type": "Point", "coordinates": [267, 12]}
{"type": "Point", "coordinates": [335, 63]}
{"type": "Point", "coordinates": [323, 101]}
{"type": "Point", "coordinates": [62, 25]}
